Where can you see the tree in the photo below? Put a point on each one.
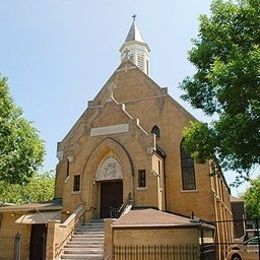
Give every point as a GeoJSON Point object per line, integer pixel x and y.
{"type": "Point", "coordinates": [252, 198]}
{"type": "Point", "coordinates": [39, 188]}
{"type": "Point", "coordinates": [226, 84]}
{"type": "Point", "coordinates": [21, 149]}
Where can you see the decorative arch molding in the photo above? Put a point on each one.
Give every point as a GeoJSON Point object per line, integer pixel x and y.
{"type": "Point", "coordinates": [99, 158]}
{"type": "Point", "coordinates": [101, 149]}
{"type": "Point", "coordinates": [109, 169]}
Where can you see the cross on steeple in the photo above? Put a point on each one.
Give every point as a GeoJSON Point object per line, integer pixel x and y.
{"type": "Point", "coordinates": [134, 16]}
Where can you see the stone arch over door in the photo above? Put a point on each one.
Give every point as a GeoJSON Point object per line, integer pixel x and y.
{"type": "Point", "coordinates": [109, 176]}
{"type": "Point", "coordinates": [107, 151]}
{"type": "Point", "coordinates": [109, 170]}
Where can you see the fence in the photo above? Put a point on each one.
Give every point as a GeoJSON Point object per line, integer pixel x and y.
{"type": "Point", "coordinates": [7, 247]}
{"type": "Point", "coordinates": [10, 247]}
{"type": "Point", "coordinates": [242, 230]}
{"type": "Point", "coordinates": [156, 252]}
{"type": "Point", "coordinates": [208, 251]}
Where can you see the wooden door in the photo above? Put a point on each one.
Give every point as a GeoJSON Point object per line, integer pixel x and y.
{"type": "Point", "coordinates": [111, 196]}
{"type": "Point", "coordinates": [38, 242]}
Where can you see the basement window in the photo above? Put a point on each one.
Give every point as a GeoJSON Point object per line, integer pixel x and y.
{"type": "Point", "coordinates": [76, 183]}
{"type": "Point", "coordinates": [141, 179]}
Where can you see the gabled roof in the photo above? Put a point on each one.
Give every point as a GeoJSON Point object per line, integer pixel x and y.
{"type": "Point", "coordinates": [121, 108]}
{"type": "Point", "coordinates": [126, 65]}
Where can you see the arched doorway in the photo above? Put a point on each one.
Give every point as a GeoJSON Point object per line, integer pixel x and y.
{"type": "Point", "coordinates": [110, 177]}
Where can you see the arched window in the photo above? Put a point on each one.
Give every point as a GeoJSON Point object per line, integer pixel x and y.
{"type": "Point", "coordinates": [188, 173]}
{"type": "Point", "coordinates": [156, 131]}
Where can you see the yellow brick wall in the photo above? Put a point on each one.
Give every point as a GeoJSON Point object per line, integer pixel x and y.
{"type": "Point", "coordinates": [144, 100]}
{"type": "Point", "coordinates": [156, 236]}
{"type": "Point", "coordinates": [129, 149]}
{"type": "Point", "coordinates": [9, 228]}
{"type": "Point", "coordinates": [149, 103]}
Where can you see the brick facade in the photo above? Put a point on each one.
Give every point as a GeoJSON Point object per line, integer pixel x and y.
{"type": "Point", "coordinates": [117, 124]}
{"type": "Point", "coordinates": [141, 103]}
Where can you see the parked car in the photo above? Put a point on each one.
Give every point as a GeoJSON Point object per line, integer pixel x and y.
{"type": "Point", "coordinates": [250, 233]}
{"type": "Point", "coordinates": [249, 250]}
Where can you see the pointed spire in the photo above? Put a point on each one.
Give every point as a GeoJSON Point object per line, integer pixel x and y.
{"type": "Point", "coordinates": [134, 33]}
{"type": "Point", "coordinates": [135, 49]}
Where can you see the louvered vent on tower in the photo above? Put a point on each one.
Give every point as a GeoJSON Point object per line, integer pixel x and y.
{"type": "Point", "coordinates": [140, 61]}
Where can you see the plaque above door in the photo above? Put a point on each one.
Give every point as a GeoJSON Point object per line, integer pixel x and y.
{"type": "Point", "coordinates": [109, 169]}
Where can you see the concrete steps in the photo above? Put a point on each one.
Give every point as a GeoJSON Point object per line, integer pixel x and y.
{"type": "Point", "coordinates": [87, 242]}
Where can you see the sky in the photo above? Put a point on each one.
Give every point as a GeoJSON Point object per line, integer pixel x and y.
{"type": "Point", "coordinates": [58, 54]}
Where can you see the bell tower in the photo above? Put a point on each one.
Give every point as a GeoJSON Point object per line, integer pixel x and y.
{"type": "Point", "coordinates": [136, 49]}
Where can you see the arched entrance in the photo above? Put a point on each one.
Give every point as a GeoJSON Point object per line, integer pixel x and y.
{"type": "Point", "coordinates": [110, 177]}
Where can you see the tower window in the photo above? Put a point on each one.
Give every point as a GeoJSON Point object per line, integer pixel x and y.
{"type": "Point", "coordinates": [188, 173]}
{"type": "Point", "coordinates": [76, 183]}
{"type": "Point", "coordinates": [147, 67]}
{"type": "Point", "coordinates": [156, 131]}
{"type": "Point", "coordinates": [141, 179]}
{"type": "Point", "coordinates": [69, 160]}
{"type": "Point", "coordinates": [68, 168]}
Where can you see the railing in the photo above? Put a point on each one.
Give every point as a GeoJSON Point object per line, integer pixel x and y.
{"type": "Point", "coordinates": [66, 229]}
{"type": "Point", "coordinates": [208, 251]}
{"type": "Point", "coordinates": [244, 228]}
{"type": "Point", "coordinates": [117, 212]}
{"type": "Point", "coordinates": [60, 233]}
{"type": "Point", "coordinates": [156, 252]}
{"type": "Point", "coordinates": [7, 247]}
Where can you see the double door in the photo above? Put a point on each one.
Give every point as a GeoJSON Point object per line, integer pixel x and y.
{"type": "Point", "coordinates": [111, 197]}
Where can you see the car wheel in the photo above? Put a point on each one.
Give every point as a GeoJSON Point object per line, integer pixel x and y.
{"type": "Point", "coordinates": [236, 257]}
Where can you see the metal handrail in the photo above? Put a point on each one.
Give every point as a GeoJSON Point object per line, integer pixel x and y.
{"type": "Point", "coordinates": [128, 202]}
{"type": "Point", "coordinates": [81, 216]}
{"type": "Point", "coordinates": [59, 247]}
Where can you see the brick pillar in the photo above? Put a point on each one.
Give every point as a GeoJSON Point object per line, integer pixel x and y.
{"type": "Point", "coordinates": [50, 243]}
{"type": "Point", "coordinates": [108, 246]}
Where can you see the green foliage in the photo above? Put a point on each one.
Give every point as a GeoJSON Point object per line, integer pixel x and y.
{"type": "Point", "coordinates": [21, 149]}
{"type": "Point", "coordinates": [39, 188]}
{"type": "Point", "coordinates": [226, 55]}
{"type": "Point", "coordinates": [199, 138]}
{"type": "Point", "coordinates": [252, 198]}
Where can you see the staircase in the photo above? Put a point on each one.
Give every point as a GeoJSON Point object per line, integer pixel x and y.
{"type": "Point", "coordinates": [86, 243]}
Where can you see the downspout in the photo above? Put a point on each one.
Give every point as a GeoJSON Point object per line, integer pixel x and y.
{"type": "Point", "coordinates": [133, 188]}
{"type": "Point", "coordinates": [1, 217]}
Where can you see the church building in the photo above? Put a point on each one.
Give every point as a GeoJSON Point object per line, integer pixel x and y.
{"type": "Point", "coordinates": [123, 161]}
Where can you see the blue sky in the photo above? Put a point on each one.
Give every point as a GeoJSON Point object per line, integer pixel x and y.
{"type": "Point", "coordinates": [57, 54]}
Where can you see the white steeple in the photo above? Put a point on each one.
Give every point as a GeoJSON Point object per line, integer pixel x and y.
{"type": "Point", "coordinates": [136, 49]}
